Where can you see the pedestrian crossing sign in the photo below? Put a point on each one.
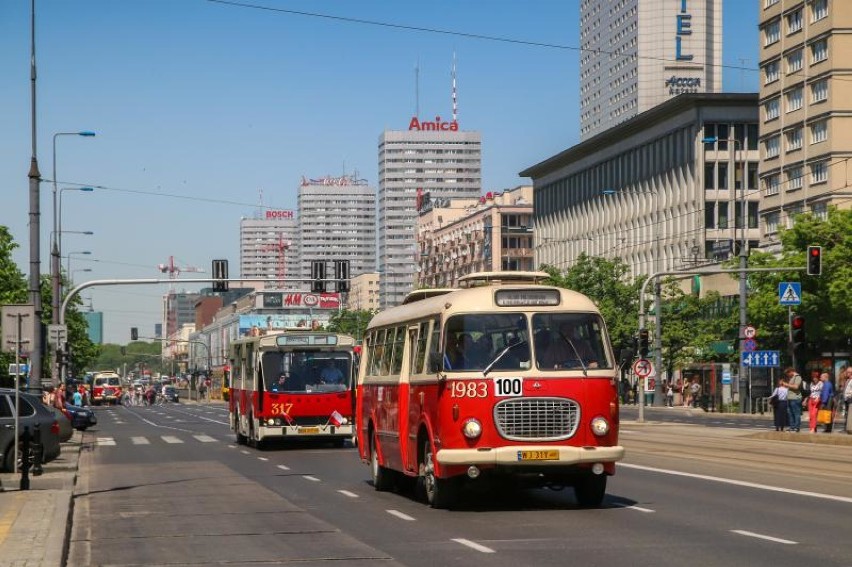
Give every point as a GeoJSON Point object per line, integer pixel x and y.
{"type": "Point", "coordinates": [790, 293]}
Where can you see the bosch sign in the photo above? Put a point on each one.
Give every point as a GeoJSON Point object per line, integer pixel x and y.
{"type": "Point", "coordinates": [279, 214]}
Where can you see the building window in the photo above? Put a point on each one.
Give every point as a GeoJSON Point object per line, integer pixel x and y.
{"type": "Point", "coordinates": [771, 147]}
{"type": "Point", "coordinates": [794, 139]}
{"type": "Point", "coordinates": [820, 211]}
{"type": "Point", "coordinates": [772, 222]}
{"type": "Point", "coordinates": [819, 10]}
{"type": "Point", "coordinates": [710, 215]}
{"type": "Point", "coordinates": [772, 33]}
{"type": "Point", "coordinates": [709, 176]}
{"type": "Point", "coordinates": [794, 21]}
{"type": "Point", "coordinates": [770, 72]}
{"type": "Point", "coordinates": [771, 109]}
{"type": "Point", "coordinates": [819, 172]}
{"type": "Point", "coordinates": [819, 91]}
{"type": "Point", "coordinates": [723, 176]}
{"type": "Point", "coordinates": [794, 99]}
{"type": "Point", "coordinates": [752, 175]}
{"type": "Point", "coordinates": [771, 184]}
{"type": "Point", "coordinates": [819, 51]}
{"type": "Point", "coordinates": [794, 61]}
{"type": "Point", "coordinates": [769, 3]}
{"type": "Point", "coordinates": [723, 214]}
{"type": "Point", "coordinates": [794, 178]}
{"type": "Point", "coordinates": [819, 132]}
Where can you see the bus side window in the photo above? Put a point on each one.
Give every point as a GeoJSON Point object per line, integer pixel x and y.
{"type": "Point", "coordinates": [418, 358]}
{"type": "Point", "coordinates": [398, 344]}
{"type": "Point", "coordinates": [387, 354]}
{"type": "Point", "coordinates": [435, 354]}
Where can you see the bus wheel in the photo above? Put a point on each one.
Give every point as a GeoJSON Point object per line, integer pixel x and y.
{"type": "Point", "coordinates": [589, 490]}
{"type": "Point", "coordinates": [440, 493]}
{"type": "Point", "coordinates": [241, 439]}
{"type": "Point", "coordinates": [382, 477]}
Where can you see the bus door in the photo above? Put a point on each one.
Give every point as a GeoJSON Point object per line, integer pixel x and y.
{"type": "Point", "coordinates": [424, 345]}
{"type": "Point", "coordinates": [406, 404]}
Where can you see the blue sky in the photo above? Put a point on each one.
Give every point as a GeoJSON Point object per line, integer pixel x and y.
{"type": "Point", "coordinates": [198, 106]}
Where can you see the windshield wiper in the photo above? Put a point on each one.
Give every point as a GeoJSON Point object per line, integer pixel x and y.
{"type": "Point", "coordinates": [500, 355]}
{"type": "Point", "coordinates": [579, 358]}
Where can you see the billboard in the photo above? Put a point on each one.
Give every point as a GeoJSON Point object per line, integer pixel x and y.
{"type": "Point", "coordinates": [255, 325]}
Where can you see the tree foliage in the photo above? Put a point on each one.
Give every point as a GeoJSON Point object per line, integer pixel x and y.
{"type": "Point", "coordinates": [136, 356]}
{"type": "Point", "coordinates": [13, 290]}
{"type": "Point", "coordinates": [350, 322]}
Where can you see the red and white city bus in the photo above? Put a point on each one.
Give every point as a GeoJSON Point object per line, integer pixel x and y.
{"type": "Point", "coordinates": [502, 377]}
{"type": "Point", "coordinates": [292, 384]}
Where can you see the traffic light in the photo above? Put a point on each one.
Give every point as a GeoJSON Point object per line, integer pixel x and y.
{"type": "Point", "coordinates": [318, 276]}
{"type": "Point", "coordinates": [643, 343]}
{"type": "Point", "coordinates": [341, 274]}
{"type": "Point", "coordinates": [797, 333]}
{"type": "Point", "coordinates": [124, 351]}
{"type": "Point", "coordinates": [814, 260]}
{"type": "Point", "coordinates": [134, 334]}
{"type": "Point", "coordinates": [220, 275]}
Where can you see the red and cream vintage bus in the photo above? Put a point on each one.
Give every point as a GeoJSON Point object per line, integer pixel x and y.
{"type": "Point", "coordinates": [106, 388]}
{"type": "Point", "coordinates": [504, 377]}
{"type": "Point", "coordinates": [292, 384]}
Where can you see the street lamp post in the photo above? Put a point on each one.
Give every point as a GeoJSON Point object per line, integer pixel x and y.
{"type": "Point", "coordinates": [743, 260]}
{"type": "Point", "coordinates": [71, 274]}
{"type": "Point", "coordinates": [55, 251]}
{"type": "Point", "coordinates": [68, 259]}
{"type": "Point", "coordinates": [59, 213]}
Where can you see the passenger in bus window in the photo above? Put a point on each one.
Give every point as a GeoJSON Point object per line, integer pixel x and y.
{"type": "Point", "coordinates": [571, 339]}
{"type": "Point", "coordinates": [331, 374]}
{"type": "Point", "coordinates": [546, 353]}
{"type": "Point", "coordinates": [453, 359]}
{"type": "Point", "coordinates": [281, 385]}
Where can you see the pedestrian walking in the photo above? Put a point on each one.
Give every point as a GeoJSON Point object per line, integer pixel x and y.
{"type": "Point", "coordinates": [814, 401]}
{"type": "Point", "coordinates": [793, 382]}
{"type": "Point", "coordinates": [826, 399]}
{"type": "Point", "coordinates": [778, 399]}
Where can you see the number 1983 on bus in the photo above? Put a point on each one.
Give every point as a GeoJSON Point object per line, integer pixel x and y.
{"type": "Point", "coordinates": [503, 387]}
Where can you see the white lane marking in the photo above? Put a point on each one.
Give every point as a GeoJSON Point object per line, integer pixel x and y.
{"type": "Point", "coordinates": [205, 438]}
{"type": "Point", "coordinates": [284, 467]}
{"type": "Point", "coordinates": [263, 458]}
{"type": "Point", "coordinates": [740, 483]}
{"type": "Point", "coordinates": [766, 537]}
{"type": "Point", "coordinates": [400, 515]}
{"type": "Point", "coordinates": [637, 508]}
{"type": "Point", "coordinates": [170, 439]}
{"type": "Point", "coordinates": [106, 441]}
{"type": "Point", "coordinates": [311, 478]}
{"type": "Point", "coordinates": [347, 493]}
{"type": "Point", "coordinates": [119, 422]}
{"type": "Point", "coordinates": [244, 452]}
{"type": "Point", "coordinates": [140, 441]}
{"type": "Point", "coordinates": [473, 545]}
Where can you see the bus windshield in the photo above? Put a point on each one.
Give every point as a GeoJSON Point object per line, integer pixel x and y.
{"type": "Point", "coordinates": [477, 342]}
{"type": "Point", "coordinates": [306, 371]}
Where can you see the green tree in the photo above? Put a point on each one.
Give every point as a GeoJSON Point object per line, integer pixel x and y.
{"type": "Point", "coordinates": [826, 299]}
{"type": "Point", "coordinates": [83, 350]}
{"type": "Point", "coordinates": [606, 282]}
{"type": "Point", "coordinates": [350, 322]}
{"type": "Point", "coordinates": [13, 290]}
{"type": "Point", "coordinates": [137, 355]}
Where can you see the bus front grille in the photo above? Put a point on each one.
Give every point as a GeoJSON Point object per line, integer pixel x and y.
{"type": "Point", "coordinates": [537, 419]}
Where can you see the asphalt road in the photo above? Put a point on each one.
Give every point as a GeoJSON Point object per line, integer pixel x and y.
{"type": "Point", "coordinates": [169, 486]}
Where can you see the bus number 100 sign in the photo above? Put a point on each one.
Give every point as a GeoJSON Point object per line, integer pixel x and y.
{"type": "Point", "coordinates": [503, 388]}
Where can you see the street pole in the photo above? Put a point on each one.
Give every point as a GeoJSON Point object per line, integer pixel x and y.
{"type": "Point", "coordinates": [36, 355]}
{"type": "Point", "coordinates": [658, 327]}
{"type": "Point", "coordinates": [743, 268]}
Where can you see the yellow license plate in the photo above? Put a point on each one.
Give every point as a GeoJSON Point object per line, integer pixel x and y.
{"type": "Point", "coordinates": [308, 430]}
{"type": "Point", "coordinates": [538, 455]}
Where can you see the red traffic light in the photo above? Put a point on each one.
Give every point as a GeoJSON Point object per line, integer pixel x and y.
{"type": "Point", "coordinates": [814, 267]}
{"type": "Point", "coordinates": [798, 322]}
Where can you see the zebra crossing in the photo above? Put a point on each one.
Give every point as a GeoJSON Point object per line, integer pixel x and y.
{"type": "Point", "coordinates": [143, 440]}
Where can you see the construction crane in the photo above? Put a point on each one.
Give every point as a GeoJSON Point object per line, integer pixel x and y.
{"type": "Point", "coordinates": [174, 270]}
{"type": "Point", "coordinates": [281, 246]}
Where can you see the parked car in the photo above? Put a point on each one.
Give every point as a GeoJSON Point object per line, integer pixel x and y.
{"type": "Point", "coordinates": [171, 394]}
{"type": "Point", "coordinates": [32, 412]}
{"type": "Point", "coordinates": [64, 421]}
{"type": "Point", "coordinates": [81, 418]}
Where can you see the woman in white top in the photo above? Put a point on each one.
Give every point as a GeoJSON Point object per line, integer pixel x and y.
{"type": "Point", "coordinates": [813, 403]}
{"type": "Point", "coordinates": [779, 405]}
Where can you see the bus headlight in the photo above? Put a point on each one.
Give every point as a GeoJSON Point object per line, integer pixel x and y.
{"type": "Point", "coordinates": [600, 426]}
{"type": "Point", "coordinates": [472, 428]}
{"type": "Point", "coordinates": [270, 421]}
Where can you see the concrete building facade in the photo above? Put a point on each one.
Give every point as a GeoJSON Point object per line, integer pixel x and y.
{"type": "Point", "coordinates": [461, 236]}
{"type": "Point", "coordinates": [364, 292]}
{"type": "Point", "coordinates": [650, 191]}
{"type": "Point", "coordinates": [432, 157]}
{"type": "Point", "coordinates": [269, 249]}
{"type": "Point", "coordinates": [637, 54]}
{"type": "Point", "coordinates": [805, 110]}
{"type": "Point", "coordinates": [337, 221]}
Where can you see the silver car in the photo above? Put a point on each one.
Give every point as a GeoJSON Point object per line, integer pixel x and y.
{"type": "Point", "coordinates": [33, 412]}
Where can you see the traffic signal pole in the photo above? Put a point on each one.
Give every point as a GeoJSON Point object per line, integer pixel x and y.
{"type": "Point", "coordinates": [656, 275]}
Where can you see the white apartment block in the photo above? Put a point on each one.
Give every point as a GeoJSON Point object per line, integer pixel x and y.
{"type": "Point", "coordinates": [269, 249]}
{"type": "Point", "coordinates": [637, 54]}
{"type": "Point", "coordinates": [434, 158]}
{"type": "Point", "coordinates": [337, 221]}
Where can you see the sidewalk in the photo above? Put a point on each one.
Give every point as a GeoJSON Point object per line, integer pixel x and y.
{"type": "Point", "coordinates": [34, 523]}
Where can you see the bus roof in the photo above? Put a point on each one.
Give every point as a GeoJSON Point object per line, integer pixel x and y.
{"type": "Point", "coordinates": [474, 300]}
{"type": "Point", "coordinates": [498, 278]}
{"type": "Point", "coordinates": [270, 340]}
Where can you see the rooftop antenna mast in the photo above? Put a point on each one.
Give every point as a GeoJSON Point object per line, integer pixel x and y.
{"type": "Point", "coordinates": [455, 101]}
{"type": "Point", "coordinates": [417, 88]}
{"type": "Point", "coordinates": [259, 213]}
